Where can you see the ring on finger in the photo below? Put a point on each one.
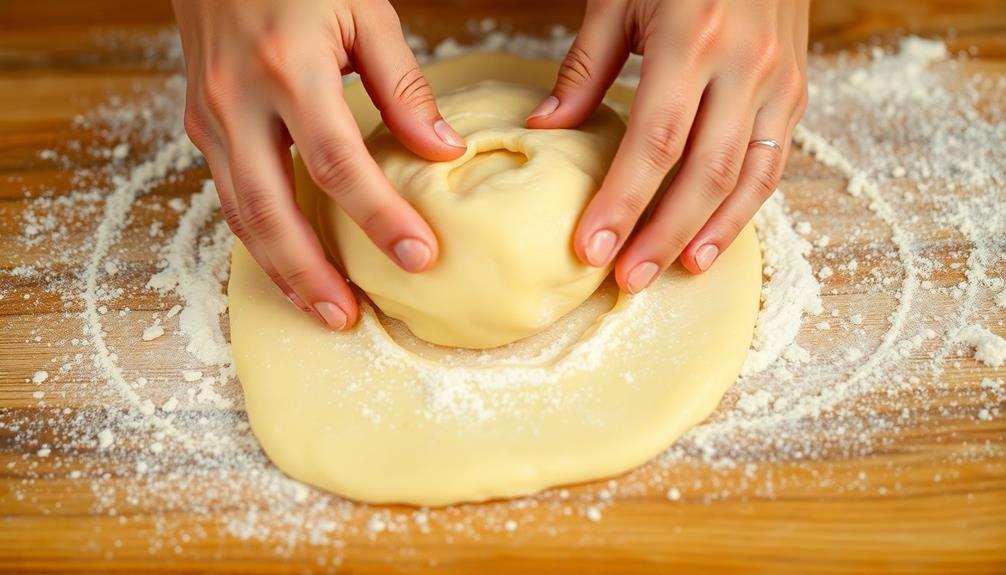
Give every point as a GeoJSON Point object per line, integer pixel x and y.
{"type": "Point", "coordinates": [769, 143]}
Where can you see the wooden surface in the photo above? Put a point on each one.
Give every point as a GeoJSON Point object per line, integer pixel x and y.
{"type": "Point", "coordinates": [50, 71]}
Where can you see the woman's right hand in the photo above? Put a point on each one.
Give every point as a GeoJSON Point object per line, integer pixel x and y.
{"type": "Point", "coordinates": [722, 85]}
{"type": "Point", "coordinates": [263, 75]}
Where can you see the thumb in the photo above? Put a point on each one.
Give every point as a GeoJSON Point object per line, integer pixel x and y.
{"type": "Point", "coordinates": [392, 77]}
{"type": "Point", "coordinates": [593, 62]}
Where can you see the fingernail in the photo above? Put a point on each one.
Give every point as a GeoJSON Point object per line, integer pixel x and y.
{"type": "Point", "coordinates": [447, 134]}
{"type": "Point", "coordinates": [641, 276]}
{"type": "Point", "coordinates": [706, 255]}
{"type": "Point", "coordinates": [412, 254]}
{"type": "Point", "coordinates": [600, 248]}
{"type": "Point", "coordinates": [332, 314]}
{"type": "Point", "coordinates": [547, 106]}
{"type": "Point", "coordinates": [295, 300]}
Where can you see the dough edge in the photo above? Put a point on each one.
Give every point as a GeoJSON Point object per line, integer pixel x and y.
{"type": "Point", "coordinates": [260, 316]}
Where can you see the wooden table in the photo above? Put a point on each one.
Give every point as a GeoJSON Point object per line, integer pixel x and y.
{"type": "Point", "coordinates": [51, 70]}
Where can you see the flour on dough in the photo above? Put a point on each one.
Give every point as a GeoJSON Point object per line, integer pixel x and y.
{"type": "Point", "coordinates": [377, 415]}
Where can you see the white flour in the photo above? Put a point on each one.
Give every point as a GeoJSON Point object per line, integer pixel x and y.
{"type": "Point", "coordinates": [990, 349]}
{"type": "Point", "coordinates": [790, 292]}
{"type": "Point", "coordinates": [195, 267]}
{"type": "Point", "coordinates": [837, 327]}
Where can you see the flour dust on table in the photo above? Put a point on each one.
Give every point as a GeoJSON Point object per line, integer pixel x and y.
{"type": "Point", "coordinates": [855, 312]}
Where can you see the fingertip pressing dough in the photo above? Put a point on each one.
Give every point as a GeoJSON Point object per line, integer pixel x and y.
{"type": "Point", "coordinates": [504, 214]}
{"type": "Point", "coordinates": [377, 415]}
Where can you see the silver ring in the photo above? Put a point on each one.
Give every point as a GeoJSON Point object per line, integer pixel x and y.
{"type": "Point", "coordinates": [769, 143]}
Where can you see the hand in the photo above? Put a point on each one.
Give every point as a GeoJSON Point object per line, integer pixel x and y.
{"type": "Point", "coordinates": [716, 75]}
{"type": "Point", "coordinates": [263, 75]}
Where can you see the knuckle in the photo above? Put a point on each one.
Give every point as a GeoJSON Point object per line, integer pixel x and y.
{"type": "Point", "coordinates": [709, 34]}
{"type": "Point", "coordinates": [380, 219]}
{"type": "Point", "coordinates": [720, 171]}
{"type": "Point", "coordinates": [766, 175]}
{"type": "Point", "coordinates": [332, 165]}
{"type": "Point", "coordinates": [665, 139]}
{"type": "Point", "coordinates": [215, 96]}
{"type": "Point", "coordinates": [575, 69]}
{"type": "Point", "coordinates": [261, 214]}
{"type": "Point", "coordinates": [793, 86]}
{"type": "Point", "coordinates": [730, 228]}
{"type": "Point", "coordinates": [272, 54]}
{"type": "Point", "coordinates": [412, 90]}
{"type": "Point", "coordinates": [233, 219]}
{"type": "Point", "coordinates": [196, 128]}
{"type": "Point", "coordinates": [629, 205]}
{"type": "Point", "coordinates": [297, 276]}
{"type": "Point", "coordinates": [801, 103]}
{"type": "Point", "coordinates": [764, 55]}
{"type": "Point", "coordinates": [214, 90]}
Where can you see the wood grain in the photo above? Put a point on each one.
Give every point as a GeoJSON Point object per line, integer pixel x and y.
{"type": "Point", "coordinates": [899, 521]}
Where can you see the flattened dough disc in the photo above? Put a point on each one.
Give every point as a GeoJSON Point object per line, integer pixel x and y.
{"type": "Point", "coordinates": [383, 419]}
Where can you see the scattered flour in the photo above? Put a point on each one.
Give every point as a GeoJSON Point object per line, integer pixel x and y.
{"type": "Point", "coordinates": [170, 405]}
{"type": "Point", "coordinates": [990, 349]}
{"type": "Point", "coordinates": [152, 332]}
{"type": "Point", "coordinates": [883, 121]}
{"type": "Point", "coordinates": [105, 439]}
{"type": "Point", "coordinates": [791, 290]}
{"type": "Point", "coordinates": [192, 375]}
{"type": "Point", "coordinates": [196, 272]}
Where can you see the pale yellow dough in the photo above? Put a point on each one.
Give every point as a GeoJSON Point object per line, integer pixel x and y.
{"type": "Point", "coordinates": [504, 215]}
{"type": "Point", "coordinates": [376, 415]}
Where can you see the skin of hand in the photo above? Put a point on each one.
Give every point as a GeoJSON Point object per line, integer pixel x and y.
{"type": "Point", "coordinates": [263, 75]}
{"type": "Point", "coordinates": [716, 75]}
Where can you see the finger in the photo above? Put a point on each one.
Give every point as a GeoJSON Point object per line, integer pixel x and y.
{"type": "Point", "coordinates": [662, 113]}
{"type": "Point", "coordinates": [264, 196]}
{"type": "Point", "coordinates": [592, 64]}
{"type": "Point", "coordinates": [338, 161]}
{"type": "Point", "coordinates": [198, 127]}
{"type": "Point", "coordinates": [759, 178]}
{"type": "Point", "coordinates": [217, 160]}
{"type": "Point", "coordinates": [708, 174]}
{"type": "Point", "coordinates": [399, 89]}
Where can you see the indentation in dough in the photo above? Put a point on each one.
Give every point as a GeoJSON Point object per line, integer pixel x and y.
{"type": "Point", "coordinates": [394, 419]}
{"type": "Point", "coordinates": [481, 167]}
{"type": "Point", "coordinates": [504, 214]}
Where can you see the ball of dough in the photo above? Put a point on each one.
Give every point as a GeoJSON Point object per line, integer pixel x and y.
{"type": "Point", "coordinates": [504, 214]}
{"type": "Point", "coordinates": [371, 418]}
